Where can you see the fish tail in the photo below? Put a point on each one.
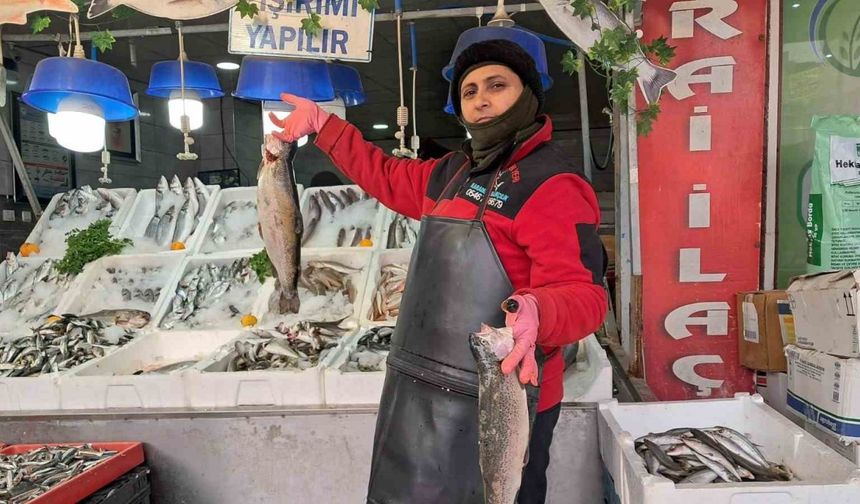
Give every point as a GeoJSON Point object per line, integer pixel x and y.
{"type": "Point", "coordinates": [99, 7]}
{"type": "Point", "coordinates": [652, 80]}
{"type": "Point", "coordinates": [284, 302]}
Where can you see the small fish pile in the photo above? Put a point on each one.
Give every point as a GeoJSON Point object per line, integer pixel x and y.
{"type": "Point", "coordinates": [326, 277]}
{"type": "Point", "coordinates": [700, 456]}
{"type": "Point", "coordinates": [339, 217]}
{"type": "Point", "coordinates": [29, 293]}
{"type": "Point", "coordinates": [178, 210]}
{"type": "Point", "coordinates": [202, 294]}
{"type": "Point", "coordinates": [402, 232]}
{"type": "Point", "coordinates": [298, 346]}
{"type": "Point", "coordinates": [81, 201]}
{"type": "Point", "coordinates": [75, 209]}
{"type": "Point", "coordinates": [370, 351]}
{"type": "Point", "coordinates": [234, 227]}
{"type": "Point", "coordinates": [31, 474]}
{"type": "Point", "coordinates": [60, 344]}
{"type": "Point", "coordinates": [388, 293]}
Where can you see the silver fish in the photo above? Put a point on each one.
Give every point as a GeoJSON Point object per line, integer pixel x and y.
{"type": "Point", "coordinates": [652, 78]}
{"type": "Point", "coordinates": [280, 221]}
{"type": "Point", "coordinates": [503, 417]}
{"type": "Point", "coordinates": [171, 9]}
{"type": "Point", "coordinates": [191, 195]}
{"type": "Point", "coordinates": [312, 218]}
{"type": "Point", "coordinates": [110, 196]}
{"type": "Point", "coordinates": [202, 197]}
{"type": "Point", "coordinates": [166, 226]}
{"type": "Point", "coordinates": [184, 223]}
{"type": "Point", "coordinates": [176, 185]}
{"type": "Point", "coordinates": [160, 189]}
{"type": "Point", "coordinates": [134, 319]}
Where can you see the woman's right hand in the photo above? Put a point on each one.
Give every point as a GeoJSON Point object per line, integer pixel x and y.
{"type": "Point", "coordinates": [307, 118]}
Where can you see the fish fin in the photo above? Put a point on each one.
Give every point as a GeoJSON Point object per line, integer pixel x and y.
{"type": "Point", "coordinates": [652, 86]}
{"type": "Point", "coordinates": [99, 7]}
{"type": "Point", "coordinates": [260, 229]}
{"type": "Point", "coordinates": [526, 457]}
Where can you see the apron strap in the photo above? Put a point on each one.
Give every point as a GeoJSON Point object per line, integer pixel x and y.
{"type": "Point", "coordinates": [456, 182]}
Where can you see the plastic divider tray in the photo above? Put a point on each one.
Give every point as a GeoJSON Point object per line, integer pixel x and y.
{"type": "Point", "coordinates": [20, 327]}
{"type": "Point", "coordinates": [129, 455]}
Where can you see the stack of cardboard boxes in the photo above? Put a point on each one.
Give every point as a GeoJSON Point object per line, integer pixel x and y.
{"type": "Point", "coordinates": [824, 361]}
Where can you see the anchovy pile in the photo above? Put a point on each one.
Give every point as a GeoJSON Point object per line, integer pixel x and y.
{"type": "Point", "coordinates": [81, 201]}
{"type": "Point", "coordinates": [17, 284]}
{"type": "Point", "coordinates": [325, 277]}
{"type": "Point", "coordinates": [699, 456]}
{"type": "Point", "coordinates": [402, 232]}
{"type": "Point", "coordinates": [241, 211]}
{"type": "Point", "coordinates": [299, 346]}
{"type": "Point", "coordinates": [25, 476]}
{"type": "Point", "coordinates": [370, 352]}
{"type": "Point", "coordinates": [203, 286]}
{"type": "Point", "coordinates": [57, 345]}
{"type": "Point", "coordinates": [388, 292]}
{"type": "Point", "coordinates": [334, 206]}
{"type": "Point", "coordinates": [178, 210]}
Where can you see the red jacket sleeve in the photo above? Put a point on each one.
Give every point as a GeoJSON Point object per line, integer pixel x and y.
{"type": "Point", "coordinates": [399, 184]}
{"type": "Point", "coordinates": [557, 228]}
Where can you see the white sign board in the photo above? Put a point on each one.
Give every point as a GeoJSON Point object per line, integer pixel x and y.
{"type": "Point", "coordinates": [347, 30]}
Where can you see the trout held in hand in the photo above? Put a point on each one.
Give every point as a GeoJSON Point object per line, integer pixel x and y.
{"type": "Point", "coordinates": [503, 416]}
{"type": "Point", "coordinates": [280, 221]}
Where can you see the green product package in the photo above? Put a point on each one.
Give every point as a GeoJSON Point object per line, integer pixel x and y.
{"type": "Point", "coordinates": [833, 213]}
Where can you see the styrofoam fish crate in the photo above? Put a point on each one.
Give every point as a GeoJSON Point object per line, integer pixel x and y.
{"type": "Point", "coordinates": [35, 393]}
{"type": "Point", "coordinates": [330, 225]}
{"type": "Point", "coordinates": [388, 220]}
{"type": "Point", "coordinates": [143, 210]}
{"type": "Point", "coordinates": [21, 327]}
{"type": "Point", "coordinates": [380, 259]}
{"type": "Point", "coordinates": [213, 387]}
{"type": "Point", "coordinates": [352, 257]}
{"type": "Point", "coordinates": [37, 235]}
{"type": "Point", "coordinates": [589, 379]}
{"type": "Point", "coordinates": [85, 293]}
{"type": "Point", "coordinates": [357, 387]}
{"type": "Point", "coordinates": [110, 382]}
{"type": "Point", "coordinates": [249, 305]}
{"type": "Point", "coordinates": [823, 475]}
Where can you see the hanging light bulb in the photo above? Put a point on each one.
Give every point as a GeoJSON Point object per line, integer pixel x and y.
{"type": "Point", "coordinates": [193, 108]}
{"type": "Point", "coordinates": [78, 125]}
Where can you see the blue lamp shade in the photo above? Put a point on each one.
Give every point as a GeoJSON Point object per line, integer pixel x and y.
{"type": "Point", "coordinates": [264, 78]}
{"type": "Point", "coordinates": [529, 42]}
{"type": "Point", "coordinates": [347, 84]}
{"type": "Point", "coordinates": [57, 78]}
{"type": "Point", "coordinates": [199, 77]}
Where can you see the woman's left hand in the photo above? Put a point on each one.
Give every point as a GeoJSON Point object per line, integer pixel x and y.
{"type": "Point", "coordinates": [524, 324]}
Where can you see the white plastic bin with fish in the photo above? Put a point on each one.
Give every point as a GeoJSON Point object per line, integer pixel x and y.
{"type": "Point", "coordinates": [822, 475]}
{"type": "Point", "coordinates": [395, 257]}
{"type": "Point", "coordinates": [343, 387]}
{"type": "Point", "coordinates": [344, 214]}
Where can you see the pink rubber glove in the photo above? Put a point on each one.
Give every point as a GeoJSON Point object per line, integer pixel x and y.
{"type": "Point", "coordinates": [307, 118]}
{"type": "Point", "coordinates": [524, 324]}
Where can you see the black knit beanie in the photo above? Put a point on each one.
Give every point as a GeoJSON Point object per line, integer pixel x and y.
{"type": "Point", "coordinates": [499, 51]}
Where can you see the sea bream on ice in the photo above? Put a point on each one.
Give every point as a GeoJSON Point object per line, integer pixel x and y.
{"type": "Point", "coordinates": [581, 31]}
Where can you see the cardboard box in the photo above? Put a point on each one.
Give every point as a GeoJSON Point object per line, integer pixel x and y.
{"type": "Point", "coordinates": [825, 390]}
{"type": "Point", "coordinates": [764, 331]}
{"type": "Point", "coordinates": [851, 451]}
{"type": "Point", "coordinates": [824, 308]}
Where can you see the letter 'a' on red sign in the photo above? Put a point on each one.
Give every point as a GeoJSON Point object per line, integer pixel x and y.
{"type": "Point", "coordinates": [700, 194]}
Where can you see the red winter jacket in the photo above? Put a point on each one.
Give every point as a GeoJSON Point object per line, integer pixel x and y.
{"type": "Point", "coordinates": [542, 221]}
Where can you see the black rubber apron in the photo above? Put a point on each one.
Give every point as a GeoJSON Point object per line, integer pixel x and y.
{"type": "Point", "coordinates": [426, 442]}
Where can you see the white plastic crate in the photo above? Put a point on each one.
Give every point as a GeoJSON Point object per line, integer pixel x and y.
{"type": "Point", "coordinates": [823, 475]}
{"type": "Point", "coordinates": [213, 387]}
{"type": "Point", "coordinates": [388, 220]}
{"type": "Point", "coordinates": [325, 233]}
{"type": "Point", "coordinates": [589, 379]}
{"type": "Point", "coordinates": [36, 393]}
{"type": "Point", "coordinates": [352, 257]}
{"type": "Point", "coordinates": [358, 387]}
{"type": "Point", "coordinates": [44, 230]}
{"type": "Point", "coordinates": [110, 382]}
{"type": "Point", "coordinates": [381, 258]}
{"type": "Point", "coordinates": [140, 215]}
{"type": "Point", "coordinates": [13, 323]}
{"type": "Point", "coordinates": [86, 296]}
{"type": "Point", "coordinates": [248, 305]}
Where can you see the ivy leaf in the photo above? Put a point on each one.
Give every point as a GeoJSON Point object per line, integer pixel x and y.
{"type": "Point", "coordinates": [247, 9]}
{"type": "Point", "coordinates": [39, 23]}
{"type": "Point", "coordinates": [311, 24]}
{"type": "Point", "coordinates": [645, 119]}
{"type": "Point", "coordinates": [570, 63]}
{"type": "Point", "coordinates": [582, 8]}
{"type": "Point", "coordinates": [619, 5]}
{"type": "Point", "coordinates": [103, 40]}
{"type": "Point", "coordinates": [660, 48]}
{"type": "Point", "coordinates": [122, 12]}
{"type": "Point", "coordinates": [622, 86]}
{"type": "Point", "coordinates": [369, 5]}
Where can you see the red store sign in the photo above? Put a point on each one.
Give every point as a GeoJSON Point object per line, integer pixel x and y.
{"type": "Point", "coordinates": [700, 191]}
